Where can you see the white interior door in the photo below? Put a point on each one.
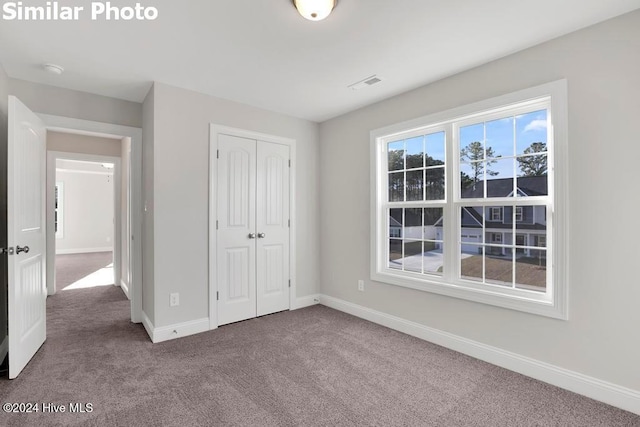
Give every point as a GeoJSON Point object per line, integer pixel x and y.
{"type": "Point", "coordinates": [252, 245]}
{"type": "Point", "coordinates": [272, 220]}
{"type": "Point", "coordinates": [26, 235]}
{"type": "Point", "coordinates": [236, 235]}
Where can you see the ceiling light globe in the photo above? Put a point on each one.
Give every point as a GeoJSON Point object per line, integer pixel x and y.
{"type": "Point", "coordinates": [314, 10]}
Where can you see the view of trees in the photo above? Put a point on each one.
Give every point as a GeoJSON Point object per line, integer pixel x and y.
{"type": "Point", "coordinates": [434, 179]}
{"type": "Point", "coordinates": [534, 165]}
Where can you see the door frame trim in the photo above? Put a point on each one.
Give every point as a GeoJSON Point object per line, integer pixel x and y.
{"type": "Point", "coordinates": [108, 130]}
{"type": "Point", "coordinates": [214, 131]}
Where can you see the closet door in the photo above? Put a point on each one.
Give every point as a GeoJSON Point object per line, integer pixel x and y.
{"type": "Point", "coordinates": [236, 242]}
{"type": "Point", "coordinates": [272, 210]}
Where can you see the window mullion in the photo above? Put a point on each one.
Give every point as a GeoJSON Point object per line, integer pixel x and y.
{"type": "Point", "coordinates": [451, 265]}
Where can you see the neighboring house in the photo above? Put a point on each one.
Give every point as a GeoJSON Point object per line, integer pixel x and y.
{"type": "Point", "coordinates": [531, 221]}
{"type": "Point", "coordinates": [414, 228]}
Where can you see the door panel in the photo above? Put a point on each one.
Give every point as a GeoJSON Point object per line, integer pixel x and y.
{"type": "Point", "coordinates": [236, 251]}
{"type": "Point", "coordinates": [272, 218]}
{"type": "Point", "coordinates": [25, 228]}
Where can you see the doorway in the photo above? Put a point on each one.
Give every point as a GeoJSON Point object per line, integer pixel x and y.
{"type": "Point", "coordinates": [128, 173]}
{"type": "Point", "coordinates": [85, 218]}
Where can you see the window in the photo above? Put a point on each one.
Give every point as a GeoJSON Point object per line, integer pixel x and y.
{"type": "Point", "coordinates": [496, 214]}
{"type": "Point", "coordinates": [519, 214]}
{"type": "Point", "coordinates": [59, 210]}
{"type": "Point", "coordinates": [460, 196]}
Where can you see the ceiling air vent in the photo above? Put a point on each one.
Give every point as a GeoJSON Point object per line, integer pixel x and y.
{"type": "Point", "coordinates": [369, 81]}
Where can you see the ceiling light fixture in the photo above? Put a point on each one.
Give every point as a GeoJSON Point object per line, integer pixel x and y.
{"type": "Point", "coordinates": [53, 69]}
{"type": "Point", "coordinates": [315, 10]}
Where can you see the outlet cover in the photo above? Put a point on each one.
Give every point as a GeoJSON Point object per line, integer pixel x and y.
{"type": "Point", "coordinates": [174, 300]}
{"type": "Point", "coordinates": [361, 285]}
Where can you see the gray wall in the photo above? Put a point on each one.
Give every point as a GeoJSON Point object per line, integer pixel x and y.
{"type": "Point", "coordinates": [84, 144]}
{"type": "Point", "coordinates": [602, 66]}
{"type": "Point", "coordinates": [181, 195]}
{"type": "Point", "coordinates": [79, 105]}
{"type": "Point", "coordinates": [148, 128]}
{"type": "Point", "coordinates": [4, 308]}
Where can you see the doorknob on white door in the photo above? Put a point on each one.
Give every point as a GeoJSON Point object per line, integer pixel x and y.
{"type": "Point", "coordinates": [261, 235]}
{"type": "Point", "coordinates": [19, 250]}
{"type": "Point", "coordinates": [252, 235]}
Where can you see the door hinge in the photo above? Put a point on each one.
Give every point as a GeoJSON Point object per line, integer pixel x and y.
{"type": "Point", "coordinates": [289, 223]}
{"type": "Point", "coordinates": [216, 224]}
{"type": "Point", "coordinates": [289, 282]}
{"type": "Point", "coordinates": [217, 154]}
{"type": "Point", "coordinates": [289, 162]}
{"type": "Point", "coordinates": [217, 296]}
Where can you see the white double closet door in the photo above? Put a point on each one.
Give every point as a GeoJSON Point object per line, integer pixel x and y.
{"type": "Point", "coordinates": [252, 248]}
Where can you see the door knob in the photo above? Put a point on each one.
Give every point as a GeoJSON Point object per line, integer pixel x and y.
{"type": "Point", "coordinates": [261, 235]}
{"type": "Point", "coordinates": [21, 249]}
{"type": "Point", "coordinates": [252, 235]}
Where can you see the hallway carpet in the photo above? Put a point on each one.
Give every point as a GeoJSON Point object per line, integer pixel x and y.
{"type": "Point", "coordinates": [311, 367]}
{"type": "Point", "coordinates": [71, 268]}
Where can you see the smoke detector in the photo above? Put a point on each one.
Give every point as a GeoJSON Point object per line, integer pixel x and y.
{"type": "Point", "coordinates": [369, 81]}
{"type": "Point", "coordinates": [53, 69]}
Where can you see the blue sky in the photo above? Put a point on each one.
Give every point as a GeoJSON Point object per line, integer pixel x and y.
{"type": "Point", "coordinates": [529, 128]}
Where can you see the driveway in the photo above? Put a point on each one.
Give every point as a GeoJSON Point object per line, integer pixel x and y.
{"type": "Point", "coordinates": [433, 261]}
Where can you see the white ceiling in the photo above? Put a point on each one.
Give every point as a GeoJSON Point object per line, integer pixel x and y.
{"type": "Point", "coordinates": [262, 53]}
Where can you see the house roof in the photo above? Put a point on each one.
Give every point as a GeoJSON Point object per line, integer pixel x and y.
{"type": "Point", "coordinates": [503, 187]}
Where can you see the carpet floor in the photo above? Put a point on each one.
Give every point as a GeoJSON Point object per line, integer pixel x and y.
{"type": "Point", "coordinates": [311, 367]}
{"type": "Point", "coordinates": [73, 267]}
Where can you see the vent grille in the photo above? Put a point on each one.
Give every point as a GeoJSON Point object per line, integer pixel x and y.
{"type": "Point", "coordinates": [369, 81]}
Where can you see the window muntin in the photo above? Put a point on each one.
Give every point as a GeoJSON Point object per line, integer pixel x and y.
{"type": "Point", "coordinates": [524, 230]}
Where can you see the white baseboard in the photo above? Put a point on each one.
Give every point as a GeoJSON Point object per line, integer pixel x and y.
{"type": "Point", "coordinates": [172, 332]}
{"type": "Point", "coordinates": [148, 326]}
{"type": "Point", "coordinates": [306, 301]}
{"type": "Point", "coordinates": [594, 388]}
{"type": "Point", "coordinates": [82, 251]}
{"type": "Point", "coordinates": [4, 348]}
{"type": "Point", "coordinates": [125, 288]}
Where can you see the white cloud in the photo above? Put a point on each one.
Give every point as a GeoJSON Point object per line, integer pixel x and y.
{"type": "Point", "coordinates": [536, 125]}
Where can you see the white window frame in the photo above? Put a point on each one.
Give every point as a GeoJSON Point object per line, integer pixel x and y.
{"type": "Point", "coordinates": [59, 211]}
{"type": "Point", "coordinates": [554, 302]}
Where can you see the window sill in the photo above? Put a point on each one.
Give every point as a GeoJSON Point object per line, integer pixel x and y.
{"type": "Point", "coordinates": [519, 300]}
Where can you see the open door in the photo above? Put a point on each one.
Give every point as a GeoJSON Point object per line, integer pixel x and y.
{"type": "Point", "coordinates": [26, 235]}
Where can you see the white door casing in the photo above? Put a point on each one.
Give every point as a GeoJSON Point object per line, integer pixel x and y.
{"type": "Point", "coordinates": [236, 236]}
{"type": "Point", "coordinates": [272, 226]}
{"type": "Point", "coordinates": [26, 228]}
{"type": "Point", "coordinates": [252, 228]}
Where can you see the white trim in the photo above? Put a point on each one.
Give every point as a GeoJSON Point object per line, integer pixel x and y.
{"type": "Point", "coordinates": [553, 303]}
{"type": "Point", "coordinates": [82, 251]}
{"type": "Point", "coordinates": [585, 385]}
{"type": "Point", "coordinates": [214, 131]}
{"type": "Point", "coordinates": [58, 220]}
{"type": "Point", "coordinates": [125, 288]}
{"type": "Point", "coordinates": [171, 332]}
{"type": "Point", "coordinates": [4, 348]}
{"type": "Point", "coordinates": [84, 172]}
{"type": "Point", "coordinates": [107, 130]}
{"type": "Point", "coordinates": [148, 325]}
{"type": "Point", "coordinates": [308, 301]}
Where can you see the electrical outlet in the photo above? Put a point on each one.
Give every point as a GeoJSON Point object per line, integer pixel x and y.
{"type": "Point", "coordinates": [361, 285]}
{"type": "Point", "coordinates": [174, 300]}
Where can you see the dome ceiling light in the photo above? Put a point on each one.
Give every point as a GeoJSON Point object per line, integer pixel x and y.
{"type": "Point", "coordinates": [315, 10]}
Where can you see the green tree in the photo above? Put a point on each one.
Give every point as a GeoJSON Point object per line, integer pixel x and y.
{"type": "Point", "coordinates": [475, 154]}
{"type": "Point", "coordinates": [535, 165]}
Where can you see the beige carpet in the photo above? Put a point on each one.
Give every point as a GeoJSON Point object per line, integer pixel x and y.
{"type": "Point", "coordinates": [310, 367]}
